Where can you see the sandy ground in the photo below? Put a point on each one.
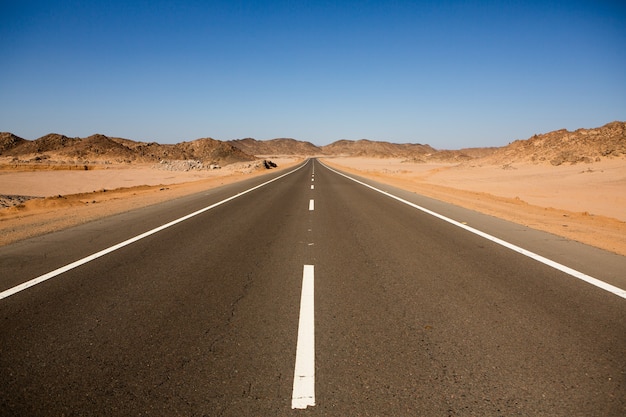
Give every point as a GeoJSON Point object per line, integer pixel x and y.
{"type": "Point", "coordinates": [585, 202]}
{"type": "Point", "coordinates": [38, 183]}
{"type": "Point", "coordinates": [71, 197]}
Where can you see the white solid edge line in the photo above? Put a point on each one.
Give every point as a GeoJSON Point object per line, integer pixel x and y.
{"type": "Point", "coordinates": [576, 274]}
{"type": "Point", "coordinates": [311, 205]}
{"type": "Point", "coordinates": [59, 271]}
{"type": "Point", "coordinates": [303, 394]}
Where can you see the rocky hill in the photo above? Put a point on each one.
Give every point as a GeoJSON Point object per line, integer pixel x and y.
{"type": "Point", "coordinates": [562, 146]}
{"type": "Point", "coordinates": [279, 146]}
{"type": "Point", "coordinates": [102, 149]}
{"type": "Point", "coordinates": [368, 148]}
{"type": "Point", "coordinates": [558, 147]}
{"type": "Point", "coordinates": [9, 141]}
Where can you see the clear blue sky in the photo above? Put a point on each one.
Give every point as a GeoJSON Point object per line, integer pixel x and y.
{"type": "Point", "coordinates": [448, 73]}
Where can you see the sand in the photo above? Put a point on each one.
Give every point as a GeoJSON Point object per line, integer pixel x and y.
{"type": "Point", "coordinates": [71, 197]}
{"type": "Point", "coordinates": [584, 202]}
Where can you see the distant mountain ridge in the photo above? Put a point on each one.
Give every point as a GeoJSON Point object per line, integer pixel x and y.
{"type": "Point", "coordinates": [557, 147]}
{"type": "Point", "coordinates": [562, 146]}
{"type": "Point", "coordinates": [98, 148]}
{"type": "Point", "coordinates": [369, 148]}
{"type": "Point", "coordinates": [278, 146]}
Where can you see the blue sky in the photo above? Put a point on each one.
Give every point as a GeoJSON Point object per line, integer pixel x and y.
{"type": "Point", "coordinates": [451, 74]}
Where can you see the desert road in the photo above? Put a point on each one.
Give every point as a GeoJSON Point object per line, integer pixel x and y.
{"type": "Point", "coordinates": [304, 292]}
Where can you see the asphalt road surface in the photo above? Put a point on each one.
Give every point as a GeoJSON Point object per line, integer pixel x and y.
{"type": "Point", "coordinates": [310, 295]}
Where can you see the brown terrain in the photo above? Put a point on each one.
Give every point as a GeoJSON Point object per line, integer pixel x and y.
{"type": "Point", "coordinates": [572, 184]}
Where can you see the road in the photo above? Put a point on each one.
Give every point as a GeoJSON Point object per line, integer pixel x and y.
{"type": "Point", "coordinates": [371, 306]}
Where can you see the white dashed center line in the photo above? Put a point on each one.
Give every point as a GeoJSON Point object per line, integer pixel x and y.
{"type": "Point", "coordinates": [312, 187]}
{"type": "Point", "coordinates": [303, 394]}
{"type": "Point", "coordinates": [311, 205]}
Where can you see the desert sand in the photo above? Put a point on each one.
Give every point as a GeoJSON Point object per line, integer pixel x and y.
{"type": "Point", "coordinates": [67, 198]}
{"type": "Point", "coordinates": [584, 202]}
{"type": "Point", "coordinates": [61, 182]}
